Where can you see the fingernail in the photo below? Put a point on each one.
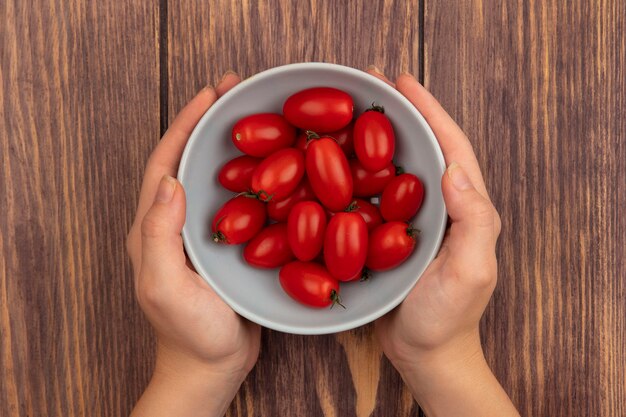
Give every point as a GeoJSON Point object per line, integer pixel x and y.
{"type": "Point", "coordinates": [226, 74]}
{"type": "Point", "coordinates": [166, 189]}
{"type": "Point", "coordinates": [459, 178]}
{"type": "Point", "coordinates": [207, 87]}
{"type": "Point", "coordinates": [375, 69]}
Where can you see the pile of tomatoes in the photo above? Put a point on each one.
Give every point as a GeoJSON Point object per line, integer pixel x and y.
{"type": "Point", "coordinates": [313, 171]}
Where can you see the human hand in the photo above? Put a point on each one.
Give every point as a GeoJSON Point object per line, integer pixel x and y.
{"type": "Point", "coordinates": [202, 343]}
{"type": "Point", "coordinates": [444, 308]}
{"type": "Point", "coordinates": [433, 338]}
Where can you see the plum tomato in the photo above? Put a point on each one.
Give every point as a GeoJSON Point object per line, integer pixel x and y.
{"type": "Point", "coordinates": [321, 109]}
{"type": "Point", "coordinates": [238, 220]}
{"type": "Point", "coordinates": [309, 283]}
{"type": "Point", "coordinates": [345, 246]}
{"type": "Point", "coordinates": [368, 184]}
{"type": "Point", "coordinates": [262, 134]}
{"type": "Point", "coordinates": [374, 140]}
{"type": "Point", "coordinates": [306, 227]}
{"type": "Point", "coordinates": [390, 244]}
{"type": "Point", "coordinates": [329, 173]}
{"type": "Point", "coordinates": [270, 248]}
{"type": "Point", "coordinates": [278, 175]}
{"type": "Point", "coordinates": [402, 198]}
{"type": "Point", "coordinates": [236, 174]}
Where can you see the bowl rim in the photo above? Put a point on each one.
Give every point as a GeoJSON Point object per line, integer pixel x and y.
{"type": "Point", "coordinates": [236, 306]}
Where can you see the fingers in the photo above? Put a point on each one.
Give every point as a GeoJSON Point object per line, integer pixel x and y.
{"type": "Point", "coordinates": [475, 226]}
{"type": "Point", "coordinates": [166, 156]}
{"type": "Point", "coordinates": [453, 142]}
{"type": "Point", "coordinates": [228, 81]}
{"type": "Point", "coordinates": [162, 254]}
{"type": "Point", "coordinates": [372, 70]}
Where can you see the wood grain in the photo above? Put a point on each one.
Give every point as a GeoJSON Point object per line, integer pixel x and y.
{"type": "Point", "coordinates": [539, 88]}
{"type": "Point", "coordinates": [85, 88]}
{"type": "Point", "coordinates": [79, 112]}
{"type": "Point", "coordinates": [341, 375]}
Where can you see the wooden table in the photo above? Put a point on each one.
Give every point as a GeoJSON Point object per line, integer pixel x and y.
{"type": "Point", "coordinates": [87, 88]}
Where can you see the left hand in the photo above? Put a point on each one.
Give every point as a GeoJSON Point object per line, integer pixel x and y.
{"type": "Point", "coordinates": [198, 334]}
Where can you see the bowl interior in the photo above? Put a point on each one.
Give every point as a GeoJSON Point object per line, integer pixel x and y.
{"type": "Point", "coordinates": [256, 294]}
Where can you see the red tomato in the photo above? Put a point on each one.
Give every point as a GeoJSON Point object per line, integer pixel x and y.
{"type": "Point", "coordinates": [236, 174]}
{"type": "Point", "coordinates": [301, 142]}
{"type": "Point", "coordinates": [390, 244]}
{"type": "Point", "coordinates": [321, 109]}
{"type": "Point", "coordinates": [345, 246]}
{"type": "Point", "coordinates": [374, 141]}
{"type": "Point", "coordinates": [343, 137]}
{"type": "Point", "coordinates": [278, 175]}
{"type": "Point", "coordinates": [306, 226]}
{"type": "Point", "coordinates": [402, 198]}
{"type": "Point", "coordinates": [238, 220]}
{"type": "Point", "coordinates": [369, 212]}
{"type": "Point", "coordinates": [310, 284]}
{"type": "Point", "coordinates": [329, 173]}
{"type": "Point", "coordinates": [263, 134]}
{"type": "Point", "coordinates": [366, 183]}
{"type": "Point", "coordinates": [279, 209]}
{"type": "Point", "coordinates": [270, 248]}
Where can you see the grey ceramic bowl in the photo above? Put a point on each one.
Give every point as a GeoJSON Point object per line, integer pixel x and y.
{"type": "Point", "coordinates": [256, 294]}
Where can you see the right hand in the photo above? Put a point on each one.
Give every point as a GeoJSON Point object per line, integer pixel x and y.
{"type": "Point", "coordinates": [440, 316]}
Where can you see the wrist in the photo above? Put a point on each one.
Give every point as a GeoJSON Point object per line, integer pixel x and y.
{"type": "Point", "coordinates": [176, 365]}
{"type": "Point", "coordinates": [462, 352]}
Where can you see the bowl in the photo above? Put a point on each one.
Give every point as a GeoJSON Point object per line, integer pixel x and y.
{"type": "Point", "coordinates": [256, 294]}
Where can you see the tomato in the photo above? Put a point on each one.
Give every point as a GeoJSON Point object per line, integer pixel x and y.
{"type": "Point", "coordinates": [329, 173]}
{"type": "Point", "coordinates": [310, 284]}
{"type": "Point", "coordinates": [345, 246]}
{"type": "Point", "coordinates": [321, 109]}
{"type": "Point", "coordinates": [369, 212]}
{"type": "Point", "coordinates": [374, 140]}
{"type": "Point", "coordinates": [236, 174]}
{"type": "Point", "coordinates": [302, 141]}
{"type": "Point", "coordinates": [262, 134]}
{"type": "Point", "coordinates": [306, 226]}
{"type": "Point", "coordinates": [368, 184]}
{"type": "Point", "coordinates": [278, 175]}
{"type": "Point", "coordinates": [402, 198]}
{"type": "Point", "coordinates": [270, 248]}
{"type": "Point", "coordinates": [279, 209]}
{"type": "Point", "coordinates": [390, 244]}
{"type": "Point", "coordinates": [344, 139]}
{"type": "Point", "coordinates": [238, 220]}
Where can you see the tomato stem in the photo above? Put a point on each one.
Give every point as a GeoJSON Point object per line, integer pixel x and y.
{"type": "Point", "coordinates": [412, 232]}
{"type": "Point", "coordinates": [366, 274]}
{"type": "Point", "coordinates": [219, 237]}
{"type": "Point", "coordinates": [249, 194]}
{"type": "Point", "coordinates": [374, 107]}
{"type": "Point", "coordinates": [354, 206]}
{"type": "Point", "coordinates": [262, 193]}
{"type": "Point", "coordinates": [310, 135]}
{"type": "Point", "coordinates": [335, 298]}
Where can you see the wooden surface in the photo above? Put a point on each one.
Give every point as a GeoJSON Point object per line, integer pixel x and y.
{"type": "Point", "coordinates": [87, 87]}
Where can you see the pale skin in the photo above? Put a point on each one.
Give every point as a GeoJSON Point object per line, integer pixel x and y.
{"type": "Point", "coordinates": [205, 350]}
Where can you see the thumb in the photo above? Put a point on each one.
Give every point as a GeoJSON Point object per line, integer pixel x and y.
{"type": "Point", "coordinates": [473, 232]}
{"type": "Point", "coordinates": [161, 242]}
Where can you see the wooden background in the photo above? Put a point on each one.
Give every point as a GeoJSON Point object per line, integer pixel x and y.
{"type": "Point", "coordinates": [86, 89]}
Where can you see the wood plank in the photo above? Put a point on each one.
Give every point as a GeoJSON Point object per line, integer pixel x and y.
{"type": "Point", "coordinates": [79, 113]}
{"type": "Point", "coordinates": [339, 375]}
{"type": "Point", "coordinates": [539, 88]}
